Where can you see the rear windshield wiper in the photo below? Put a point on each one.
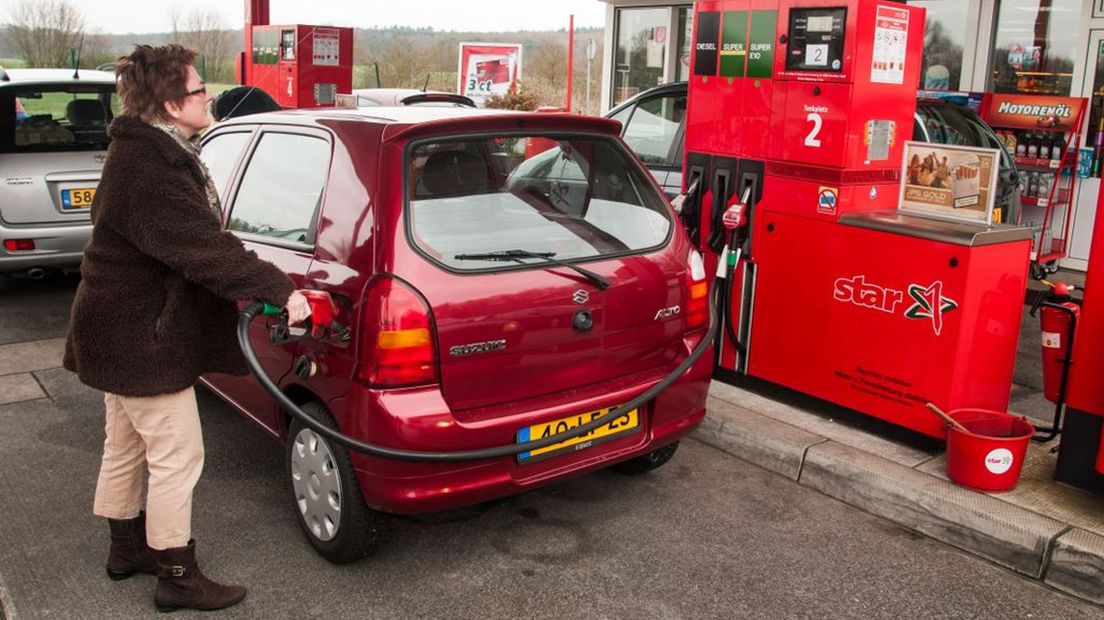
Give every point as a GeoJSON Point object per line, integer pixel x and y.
{"type": "Point", "coordinates": [517, 255]}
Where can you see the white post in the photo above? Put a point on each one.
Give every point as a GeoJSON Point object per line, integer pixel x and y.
{"type": "Point", "coordinates": [590, 49]}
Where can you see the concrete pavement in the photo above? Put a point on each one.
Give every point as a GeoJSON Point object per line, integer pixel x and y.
{"type": "Point", "coordinates": [1048, 532]}
{"type": "Point", "coordinates": [707, 536]}
{"type": "Point", "coordinates": [793, 537]}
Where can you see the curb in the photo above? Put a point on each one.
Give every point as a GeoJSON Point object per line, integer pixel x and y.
{"type": "Point", "coordinates": [1066, 558]}
{"type": "Point", "coordinates": [7, 608]}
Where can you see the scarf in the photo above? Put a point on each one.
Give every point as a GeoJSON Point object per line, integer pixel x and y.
{"type": "Point", "coordinates": [191, 146]}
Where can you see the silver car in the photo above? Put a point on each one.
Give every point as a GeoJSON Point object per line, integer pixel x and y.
{"type": "Point", "coordinates": [53, 143]}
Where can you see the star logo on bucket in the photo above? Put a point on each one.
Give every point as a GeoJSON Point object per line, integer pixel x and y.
{"type": "Point", "coordinates": [999, 461]}
{"type": "Point", "coordinates": [930, 304]}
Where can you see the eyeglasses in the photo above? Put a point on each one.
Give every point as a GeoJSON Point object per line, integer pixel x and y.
{"type": "Point", "coordinates": [202, 90]}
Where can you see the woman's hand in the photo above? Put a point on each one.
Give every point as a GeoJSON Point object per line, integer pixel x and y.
{"type": "Point", "coordinates": [297, 308]}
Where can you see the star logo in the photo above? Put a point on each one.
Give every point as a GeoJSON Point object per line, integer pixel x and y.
{"type": "Point", "coordinates": [930, 304]}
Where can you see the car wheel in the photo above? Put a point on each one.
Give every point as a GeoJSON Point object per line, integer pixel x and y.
{"type": "Point", "coordinates": [648, 462]}
{"type": "Point", "coordinates": [326, 493]}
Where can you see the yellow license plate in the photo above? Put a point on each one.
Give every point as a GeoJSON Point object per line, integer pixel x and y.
{"type": "Point", "coordinates": [77, 198]}
{"type": "Point", "coordinates": [620, 425]}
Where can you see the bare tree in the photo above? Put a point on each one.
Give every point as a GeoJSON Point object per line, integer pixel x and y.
{"type": "Point", "coordinates": [43, 31]}
{"type": "Point", "coordinates": [205, 32]}
{"type": "Point", "coordinates": [405, 63]}
{"type": "Point", "coordinates": [96, 50]}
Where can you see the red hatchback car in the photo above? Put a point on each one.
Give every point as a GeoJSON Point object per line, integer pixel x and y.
{"type": "Point", "coordinates": [502, 275]}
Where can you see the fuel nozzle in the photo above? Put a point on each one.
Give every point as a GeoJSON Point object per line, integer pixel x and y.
{"type": "Point", "coordinates": [735, 216]}
{"type": "Point", "coordinates": [320, 323]}
{"type": "Point", "coordinates": [735, 222]}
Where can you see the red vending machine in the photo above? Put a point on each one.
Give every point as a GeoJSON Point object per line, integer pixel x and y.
{"type": "Point", "coordinates": [837, 294]}
{"type": "Point", "coordinates": [299, 66]}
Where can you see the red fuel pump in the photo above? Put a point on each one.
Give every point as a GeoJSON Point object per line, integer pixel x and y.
{"type": "Point", "coordinates": [1081, 454]}
{"type": "Point", "coordinates": [299, 66]}
{"type": "Point", "coordinates": [804, 106]}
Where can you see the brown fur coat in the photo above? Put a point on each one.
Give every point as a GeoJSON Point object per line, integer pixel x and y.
{"type": "Point", "coordinates": [155, 307]}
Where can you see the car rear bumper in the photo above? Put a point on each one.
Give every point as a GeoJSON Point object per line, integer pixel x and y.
{"type": "Point", "coordinates": [425, 424]}
{"type": "Point", "coordinates": [55, 246]}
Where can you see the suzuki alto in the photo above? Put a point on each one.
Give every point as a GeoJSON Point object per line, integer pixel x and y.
{"type": "Point", "coordinates": [500, 277]}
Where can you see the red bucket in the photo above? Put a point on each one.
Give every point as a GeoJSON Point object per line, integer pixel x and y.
{"type": "Point", "coordinates": [990, 456]}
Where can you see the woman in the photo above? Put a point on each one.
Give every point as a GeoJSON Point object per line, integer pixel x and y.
{"type": "Point", "coordinates": [155, 310]}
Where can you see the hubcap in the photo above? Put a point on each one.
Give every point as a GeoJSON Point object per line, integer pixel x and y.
{"type": "Point", "coordinates": [316, 484]}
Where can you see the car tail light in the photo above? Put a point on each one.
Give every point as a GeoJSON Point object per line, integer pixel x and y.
{"type": "Point", "coordinates": [396, 337]}
{"type": "Point", "coordinates": [697, 306]}
{"type": "Point", "coordinates": [19, 245]}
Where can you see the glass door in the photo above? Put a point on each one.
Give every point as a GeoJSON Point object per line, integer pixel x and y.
{"type": "Point", "coordinates": [1093, 152]}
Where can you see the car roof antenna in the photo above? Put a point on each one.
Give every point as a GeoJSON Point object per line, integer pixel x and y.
{"type": "Point", "coordinates": [76, 57]}
{"type": "Point", "coordinates": [426, 85]}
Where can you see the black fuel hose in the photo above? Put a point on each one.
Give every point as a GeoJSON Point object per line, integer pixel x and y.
{"type": "Point", "coordinates": [288, 405]}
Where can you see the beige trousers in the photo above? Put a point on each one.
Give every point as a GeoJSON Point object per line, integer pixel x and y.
{"type": "Point", "coordinates": [162, 433]}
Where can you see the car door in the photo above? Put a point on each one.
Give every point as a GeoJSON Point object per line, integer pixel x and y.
{"type": "Point", "coordinates": [273, 198]}
{"type": "Point", "coordinates": [654, 130]}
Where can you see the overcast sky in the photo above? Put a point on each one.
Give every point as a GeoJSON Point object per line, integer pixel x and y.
{"type": "Point", "coordinates": [124, 16]}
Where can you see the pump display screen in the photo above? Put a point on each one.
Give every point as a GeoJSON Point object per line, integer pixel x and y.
{"type": "Point", "coordinates": [816, 39]}
{"type": "Point", "coordinates": [819, 23]}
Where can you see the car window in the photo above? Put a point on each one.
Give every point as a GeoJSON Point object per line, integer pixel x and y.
{"type": "Point", "coordinates": [282, 188]}
{"type": "Point", "coordinates": [623, 115]}
{"type": "Point", "coordinates": [653, 127]}
{"type": "Point", "coordinates": [62, 117]}
{"type": "Point", "coordinates": [221, 153]}
{"type": "Point", "coordinates": [571, 198]}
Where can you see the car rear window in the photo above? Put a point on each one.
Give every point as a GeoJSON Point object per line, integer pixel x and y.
{"type": "Point", "coordinates": [63, 117]}
{"type": "Point", "coordinates": [571, 198]}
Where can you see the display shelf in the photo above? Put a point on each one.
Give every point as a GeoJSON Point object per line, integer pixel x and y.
{"type": "Point", "coordinates": [1052, 250]}
{"type": "Point", "coordinates": [1032, 162]}
{"type": "Point", "coordinates": [1042, 132]}
{"type": "Point", "coordinates": [1057, 199]}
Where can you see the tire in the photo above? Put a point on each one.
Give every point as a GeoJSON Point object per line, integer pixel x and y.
{"type": "Point", "coordinates": [1038, 272]}
{"type": "Point", "coordinates": [325, 493]}
{"type": "Point", "coordinates": [646, 463]}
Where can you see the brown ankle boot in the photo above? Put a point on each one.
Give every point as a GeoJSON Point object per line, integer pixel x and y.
{"type": "Point", "coordinates": [181, 585]}
{"type": "Point", "coordinates": [129, 554]}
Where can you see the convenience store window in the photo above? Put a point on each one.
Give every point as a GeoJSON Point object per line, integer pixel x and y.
{"type": "Point", "coordinates": [944, 41]}
{"type": "Point", "coordinates": [1033, 48]}
{"type": "Point", "coordinates": [642, 38]}
{"type": "Point", "coordinates": [685, 30]}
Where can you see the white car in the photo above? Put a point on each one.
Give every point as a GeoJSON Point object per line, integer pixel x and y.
{"type": "Point", "coordinates": [53, 143]}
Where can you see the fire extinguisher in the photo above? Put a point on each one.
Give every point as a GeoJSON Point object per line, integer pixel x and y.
{"type": "Point", "coordinates": [1057, 321]}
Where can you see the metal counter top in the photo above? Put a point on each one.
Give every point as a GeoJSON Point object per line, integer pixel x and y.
{"type": "Point", "coordinates": [957, 233]}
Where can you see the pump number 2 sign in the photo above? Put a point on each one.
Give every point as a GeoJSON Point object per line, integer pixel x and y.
{"type": "Point", "coordinates": [813, 137]}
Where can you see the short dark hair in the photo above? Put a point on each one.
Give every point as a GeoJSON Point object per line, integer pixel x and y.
{"type": "Point", "coordinates": [150, 76]}
{"type": "Point", "coordinates": [241, 101]}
